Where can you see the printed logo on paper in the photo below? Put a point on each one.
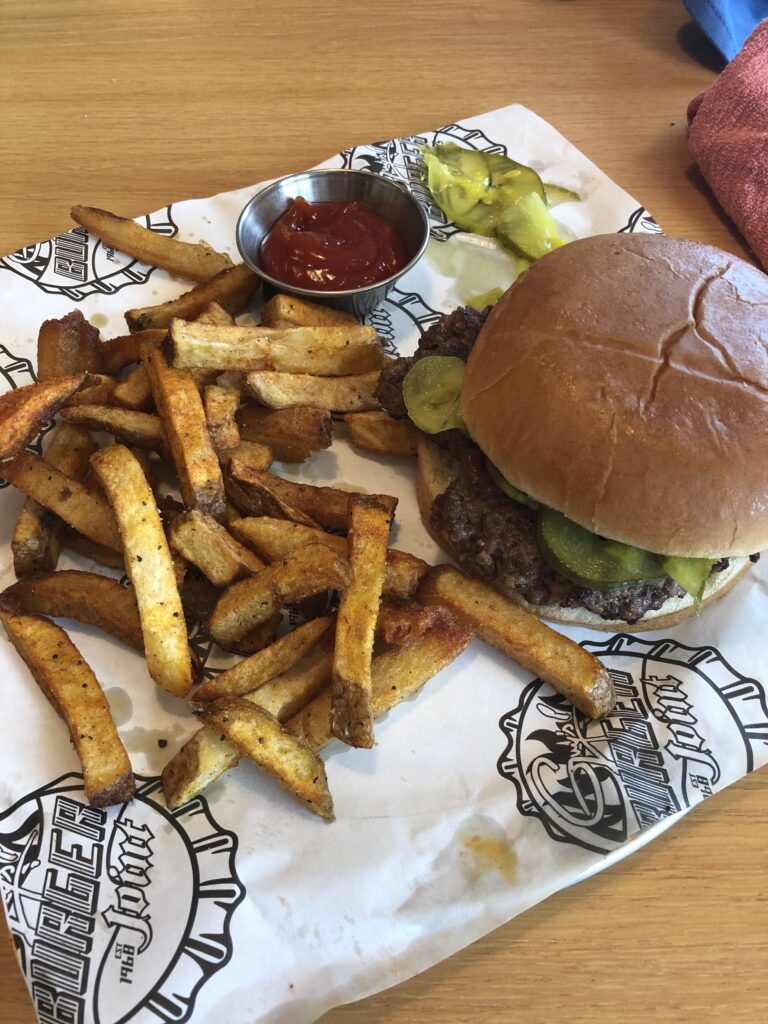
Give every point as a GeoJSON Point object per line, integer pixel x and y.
{"type": "Point", "coordinates": [395, 318]}
{"type": "Point", "coordinates": [119, 912]}
{"type": "Point", "coordinates": [17, 372]}
{"type": "Point", "coordinates": [680, 711]}
{"type": "Point", "coordinates": [641, 220]}
{"type": "Point", "coordinates": [76, 264]}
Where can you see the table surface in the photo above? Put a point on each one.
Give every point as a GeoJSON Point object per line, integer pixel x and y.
{"type": "Point", "coordinates": [130, 106]}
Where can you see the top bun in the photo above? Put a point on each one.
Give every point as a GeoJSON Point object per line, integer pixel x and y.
{"type": "Point", "coordinates": [623, 380]}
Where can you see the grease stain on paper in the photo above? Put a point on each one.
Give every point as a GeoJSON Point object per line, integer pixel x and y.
{"type": "Point", "coordinates": [484, 853]}
{"type": "Point", "coordinates": [152, 743]}
{"type": "Point", "coordinates": [120, 704]}
{"type": "Point", "coordinates": [480, 858]}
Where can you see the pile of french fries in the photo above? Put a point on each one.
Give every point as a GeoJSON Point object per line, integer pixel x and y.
{"type": "Point", "coordinates": [190, 393]}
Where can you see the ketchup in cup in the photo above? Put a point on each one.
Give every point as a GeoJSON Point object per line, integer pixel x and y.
{"type": "Point", "coordinates": [331, 247]}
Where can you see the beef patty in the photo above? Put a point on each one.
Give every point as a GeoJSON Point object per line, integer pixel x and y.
{"type": "Point", "coordinates": [491, 533]}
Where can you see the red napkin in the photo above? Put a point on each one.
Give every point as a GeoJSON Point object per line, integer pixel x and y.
{"type": "Point", "coordinates": [729, 139]}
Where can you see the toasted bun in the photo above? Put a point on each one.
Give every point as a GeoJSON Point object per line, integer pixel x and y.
{"type": "Point", "coordinates": [623, 380]}
{"type": "Point", "coordinates": [435, 471]}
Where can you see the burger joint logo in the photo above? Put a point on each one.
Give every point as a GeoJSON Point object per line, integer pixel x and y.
{"type": "Point", "coordinates": [116, 914]}
{"type": "Point", "coordinates": [681, 713]}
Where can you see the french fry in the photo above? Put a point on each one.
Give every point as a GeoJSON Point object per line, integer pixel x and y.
{"type": "Point", "coordinates": [378, 432]}
{"type": "Point", "coordinates": [247, 453]}
{"type": "Point", "coordinates": [67, 346]}
{"type": "Point", "coordinates": [194, 260]}
{"type": "Point", "coordinates": [287, 310]}
{"type": "Point", "coordinates": [286, 694]}
{"type": "Point", "coordinates": [396, 675]}
{"type": "Point", "coordinates": [326, 351]}
{"type": "Point", "coordinates": [258, 638]}
{"type": "Point", "coordinates": [68, 682]}
{"type": "Point", "coordinates": [231, 515]}
{"type": "Point", "coordinates": [351, 705]}
{"type": "Point", "coordinates": [259, 499]}
{"type": "Point", "coordinates": [230, 290]}
{"type": "Point", "coordinates": [339, 394]}
{"type": "Point", "coordinates": [221, 404]}
{"type": "Point", "coordinates": [140, 429]}
{"type": "Point", "coordinates": [84, 596]}
{"type": "Point", "coordinates": [144, 458]}
{"type": "Point", "coordinates": [183, 418]}
{"type": "Point", "coordinates": [213, 314]}
{"type": "Point", "coordinates": [135, 392]}
{"type": "Point", "coordinates": [98, 389]}
{"type": "Point", "coordinates": [273, 539]}
{"type": "Point", "coordinates": [149, 566]}
{"type": "Point", "coordinates": [24, 410]}
{"type": "Point", "coordinates": [259, 736]}
{"type": "Point", "coordinates": [250, 673]}
{"type": "Point", "coordinates": [206, 543]}
{"type": "Point", "coordinates": [37, 535]}
{"type": "Point", "coordinates": [327, 506]}
{"type": "Point", "coordinates": [403, 624]}
{"type": "Point", "coordinates": [403, 574]}
{"type": "Point", "coordinates": [199, 597]}
{"type": "Point", "coordinates": [81, 545]}
{"type": "Point", "coordinates": [205, 757]}
{"type": "Point", "coordinates": [516, 632]}
{"type": "Point", "coordinates": [117, 353]}
{"type": "Point", "coordinates": [207, 754]}
{"type": "Point", "coordinates": [292, 434]}
{"type": "Point", "coordinates": [251, 601]}
{"type": "Point", "coordinates": [84, 510]}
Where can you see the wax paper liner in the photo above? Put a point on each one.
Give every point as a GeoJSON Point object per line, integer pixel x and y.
{"type": "Point", "coordinates": [482, 796]}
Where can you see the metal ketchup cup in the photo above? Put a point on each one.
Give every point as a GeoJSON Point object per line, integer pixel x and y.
{"type": "Point", "coordinates": [391, 201]}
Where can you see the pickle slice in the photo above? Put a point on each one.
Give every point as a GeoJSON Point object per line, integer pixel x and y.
{"type": "Point", "coordinates": [509, 489]}
{"type": "Point", "coordinates": [473, 189]}
{"type": "Point", "coordinates": [589, 560]}
{"type": "Point", "coordinates": [431, 392]}
{"type": "Point", "coordinates": [528, 228]}
{"type": "Point", "coordinates": [556, 194]}
{"type": "Point", "coordinates": [515, 179]}
{"type": "Point", "coordinates": [691, 573]}
{"type": "Point", "coordinates": [489, 298]}
{"type": "Point", "coordinates": [455, 192]}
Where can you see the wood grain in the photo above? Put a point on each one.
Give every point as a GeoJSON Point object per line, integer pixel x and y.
{"type": "Point", "coordinates": [131, 106]}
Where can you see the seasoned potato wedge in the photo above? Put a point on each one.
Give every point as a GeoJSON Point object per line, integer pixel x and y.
{"type": "Point", "coordinates": [326, 351]}
{"type": "Point", "coordinates": [68, 682]}
{"type": "Point", "coordinates": [150, 568]}
{"type": "Point", "coordinates": [259, 736]}
{"type": "Point", "coordinates": [37, 535]}
{"type": "Point", "coordinates": [521, 635]}
{"type": "Point", "coordinates": [25, 410]}
{"type": "Point", "coordinates": [230, 291]}
{"type": "Point", "coordinates": [352, 706]}
{"type": "Point", "coordinates": [194, 260]}
{"type": "Point", "coordinates": [251, 601]}
{"type": "Point", "coordinates": [396, 675]}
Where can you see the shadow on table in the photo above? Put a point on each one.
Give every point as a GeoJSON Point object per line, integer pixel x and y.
{"type": "Point", "coordinates": [695, 44]}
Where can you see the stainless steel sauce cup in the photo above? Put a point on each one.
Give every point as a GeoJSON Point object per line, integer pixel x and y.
{"type": "Point", "coordinates": [391, 201]}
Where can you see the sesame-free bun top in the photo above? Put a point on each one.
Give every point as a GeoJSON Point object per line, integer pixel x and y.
{"type": "Point", "coordinates": [623, 380]}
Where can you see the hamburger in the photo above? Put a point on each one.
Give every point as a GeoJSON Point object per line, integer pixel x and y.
{"type": "Point", "coordinates": [610, 468]}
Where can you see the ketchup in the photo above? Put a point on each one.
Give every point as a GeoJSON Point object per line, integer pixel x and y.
{"type": "Point", "coordinates": [331, 246]}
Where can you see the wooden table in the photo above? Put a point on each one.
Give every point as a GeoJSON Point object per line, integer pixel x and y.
{"type": "Point", "coordinates": [131, 105]}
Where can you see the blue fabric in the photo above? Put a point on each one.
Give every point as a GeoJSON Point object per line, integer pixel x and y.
{"type": "Point", "coordinates": [727, 22]}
